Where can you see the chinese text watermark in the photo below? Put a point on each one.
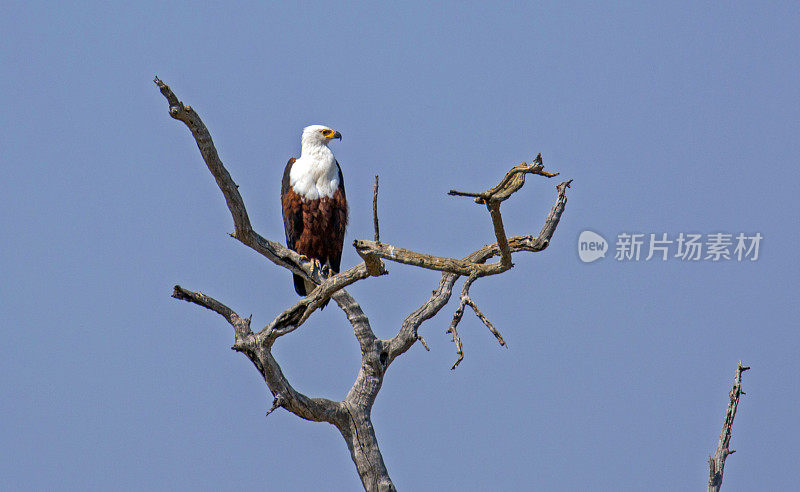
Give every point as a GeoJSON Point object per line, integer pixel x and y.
{"type": "Point", "coordinates": [686, 247]}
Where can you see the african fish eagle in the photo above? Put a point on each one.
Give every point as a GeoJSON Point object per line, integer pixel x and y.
{"type": "Point", "coordinates": [314, 203]}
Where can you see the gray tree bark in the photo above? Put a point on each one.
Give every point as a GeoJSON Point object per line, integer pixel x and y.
{"type": "Point", "coordinates": [351, 416]}
{"type": "Point", "coordinates": [716, 463]}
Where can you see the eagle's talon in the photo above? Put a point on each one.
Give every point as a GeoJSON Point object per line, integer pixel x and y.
{"type": "Point", "coordinates": [316, 266]}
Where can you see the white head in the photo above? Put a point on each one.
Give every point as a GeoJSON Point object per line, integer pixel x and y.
{"type": "Point", "coordinates": [318, 135]}
{"type": "Point", "coordinates": [315, 174]}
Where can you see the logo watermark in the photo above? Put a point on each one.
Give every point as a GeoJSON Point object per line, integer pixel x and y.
{"type": "Point", "coordinates": [685, 247]}
{"type": "Point", "coordinates": [591, 246]}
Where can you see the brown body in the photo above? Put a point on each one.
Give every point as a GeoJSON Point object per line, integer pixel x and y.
{"type": "Point", "coordinates": [314, 228]}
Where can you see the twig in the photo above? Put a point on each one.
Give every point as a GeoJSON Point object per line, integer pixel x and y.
{"type": "Point", "coordinates": [511, 182]}
{"type": "Point", "coordinates": [716, 463]}
{"type": "Point", "coordinates": [486, 322]}
{"type": "Point", "coordinates": [466, 300]}
{"type": "Point", "coordinates": [375, 211]}
{"type": "Point", "coordinates": [240, 325]}
{"type": "Point", "coordinates": [276, 403]}
{"type": "Point", "coordinates": [456, 339]}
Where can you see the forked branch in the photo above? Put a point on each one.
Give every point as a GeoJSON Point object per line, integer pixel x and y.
{"type": "Point", "coordinates": [315, 409]}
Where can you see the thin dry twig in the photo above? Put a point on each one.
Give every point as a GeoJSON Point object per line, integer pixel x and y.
{"type": "Point", "coordinates": [511, 182]}
{"type": "Point", "coordinates": [466, 300]}
{"type": "Point", "coordinates": [453, 330]}
{"type": "Point", "coordinates": [277, 402]}
{"type": "Point", "coordinates": [482, 317]}
{"type": "Point", "coordinates": [240, 325]}
{"type": "Point", "coordinates": [375, 211]}
{"type": "Point", "coordinates": [716, 463]}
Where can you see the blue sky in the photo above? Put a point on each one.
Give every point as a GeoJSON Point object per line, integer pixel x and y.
{"type": "Point", "coordinates": [669, 118]}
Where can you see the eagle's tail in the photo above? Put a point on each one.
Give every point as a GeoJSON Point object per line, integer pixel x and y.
{"type": "Point", "coordinates": [299, 285]}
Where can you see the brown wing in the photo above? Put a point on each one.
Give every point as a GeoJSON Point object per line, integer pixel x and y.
{"type": "Point", "coordinates": [292, 210]}
{"type": "Point", "coordinates": [291, 206]}
{"type": "Point", "coordinates": [338, 223]}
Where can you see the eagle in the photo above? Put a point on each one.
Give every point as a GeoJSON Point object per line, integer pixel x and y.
{"type": "Point", "coordinates": [314, 204]}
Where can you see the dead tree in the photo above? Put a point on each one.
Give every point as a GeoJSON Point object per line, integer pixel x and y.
{"type": "Point", "coordinates": [351, 416]}
{"type": "Point", "coordinates": [716, 463]}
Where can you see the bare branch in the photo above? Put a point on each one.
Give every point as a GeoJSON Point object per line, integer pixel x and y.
{"type": "Point", "coordinates": [511, 182]}
{"type": "Point", "coordinates": [457, 316]}
{"type": "Point", "coordinates": [486, 322]}
{"type": "Point", "coordinates": [466, 300]}
{"type": "Point", "coordinates": [500, 233]}
{"type": "Point", "coordinates": [316, 409]}
{"type": "Point", "coordinates": [276, 403]}
{"type": "Point", "coordinates": [456, 339]}
{"type": "Point", "coordinates": [469, 194]}
{"type": "Point", "coordinates": [355, 315]}
{"type": "Point", "coordinates": [375, 211]}
{"type": "Point", "coordinates": [356, 429]}
{"type": "Point", "coordinates": [374, 264]}
{"type": "Point", "coordinates": [530, 243]}
{"type": "Point", "coordinates": [407, 335]}
{"type": "Point", "coordinates": [206, 145]}
{"type": "Point", "coordinates": [291, 319]}
{"type": "Point", "coordinates": [240, 325]}
{"type": "Point", "coordinates": [716, 463]}
{"type": "Point", "coordinates": [423, 260]}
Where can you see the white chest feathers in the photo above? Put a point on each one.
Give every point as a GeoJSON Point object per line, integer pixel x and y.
{"type": "Point", "coordinates": [315, 175]}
